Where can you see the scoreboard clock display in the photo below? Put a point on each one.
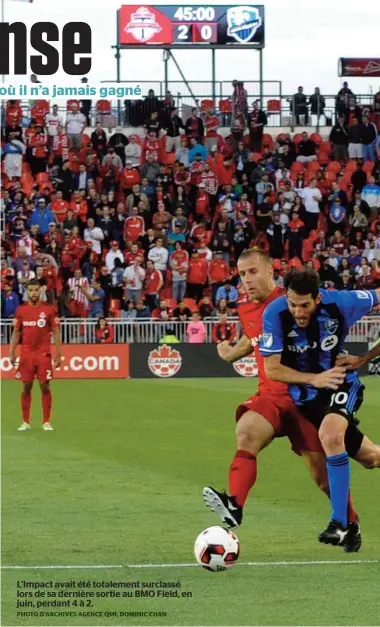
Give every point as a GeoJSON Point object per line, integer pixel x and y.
{"type": "Point", "coordinates": [214, 26]}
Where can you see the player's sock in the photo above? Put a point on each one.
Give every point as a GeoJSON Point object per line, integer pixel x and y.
{"type": "Point", "coordinates": [26, 401]}
{"type": "Point", "coordinates": [243, 473]}
{"type": "Point", "coordinates": [338, 471]}
{"type": "Point", "coordinates": [46, 406]}
{"type": "Point", "coordinates": [352, 515]}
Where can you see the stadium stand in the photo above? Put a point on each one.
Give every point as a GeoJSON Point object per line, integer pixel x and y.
{"type": "Point", "coordinates": [130, 224]}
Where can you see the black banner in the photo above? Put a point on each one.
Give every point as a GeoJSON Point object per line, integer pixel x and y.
{"type": "Point", "coordinates": [197, 360]}
{"type": "Point", "coordinates": [184, 360]}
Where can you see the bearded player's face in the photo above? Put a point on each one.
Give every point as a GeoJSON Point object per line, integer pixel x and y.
{"type": "Point", "coordinates": [256, 276]}
{"type": "Point", "coordinates": [34, 292]}
{"type": "Point", "coordinates": [302, 307]}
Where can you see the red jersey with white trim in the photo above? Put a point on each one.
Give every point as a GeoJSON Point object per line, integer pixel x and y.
{"type": "Point", "coordinates": [36, 324]}
{"type": "Point", "coordinates": [251, 318]}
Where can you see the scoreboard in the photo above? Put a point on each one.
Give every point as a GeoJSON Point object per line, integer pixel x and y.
{"type": "Point", "coordinates": [178, 26]}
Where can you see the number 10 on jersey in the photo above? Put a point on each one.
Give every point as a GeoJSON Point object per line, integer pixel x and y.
{"type": "Point", "coordinates": [195, 33]}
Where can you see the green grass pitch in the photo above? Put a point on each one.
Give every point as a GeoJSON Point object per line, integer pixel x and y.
{"type": "Point", "coordinates": [119, 482]}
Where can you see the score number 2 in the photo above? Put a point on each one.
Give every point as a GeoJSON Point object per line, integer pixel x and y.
{"type": "Point", "coordinates": [197, 33]}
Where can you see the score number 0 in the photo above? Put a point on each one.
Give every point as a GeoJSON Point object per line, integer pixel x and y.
{"type": "Point", "coordinates": [202, 32]}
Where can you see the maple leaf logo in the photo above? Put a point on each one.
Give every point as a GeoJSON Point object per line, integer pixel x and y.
{"type": "Point", "coordinates": [164, 361]}
{"type": "Point", "coordinates": [246, 367]}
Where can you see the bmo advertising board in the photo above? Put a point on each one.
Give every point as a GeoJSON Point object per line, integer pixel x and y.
{"type": "Point", "coordinates": [216, 26]}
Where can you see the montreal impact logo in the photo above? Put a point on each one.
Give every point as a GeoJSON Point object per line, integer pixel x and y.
{"type": "Point", "coordinates": [243, 23]}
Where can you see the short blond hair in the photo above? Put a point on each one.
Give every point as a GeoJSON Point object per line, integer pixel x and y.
{"type": "Point", "coordinates": [256, 251]}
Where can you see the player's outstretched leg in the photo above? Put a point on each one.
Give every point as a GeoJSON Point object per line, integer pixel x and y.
{"type": "Point", "coordinates": [46, 406]}
{"type": "Point", "coordinates": [253, 433]}
{"type": "Point", "coordinates": [26, 401]}
{"type": "Point", "coordinates": [331, 433]}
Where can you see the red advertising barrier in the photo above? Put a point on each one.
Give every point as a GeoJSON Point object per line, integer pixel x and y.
{"type": "Point", "coordinates": [359, 67]}
{"type": "Point", "coordinates": [82, 361]}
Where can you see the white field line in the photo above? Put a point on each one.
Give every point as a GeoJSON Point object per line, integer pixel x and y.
{"type": "Point", "coordinates": [184, 565]}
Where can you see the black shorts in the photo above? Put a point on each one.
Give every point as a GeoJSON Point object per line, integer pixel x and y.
{"type": "Point", "coordinates": [345, 401]}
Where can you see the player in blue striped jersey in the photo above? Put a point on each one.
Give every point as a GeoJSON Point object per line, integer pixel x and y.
{"type": "Point", "coordinates": [303, 335]}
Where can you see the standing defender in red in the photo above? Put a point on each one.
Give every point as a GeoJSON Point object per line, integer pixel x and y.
{"type": "Point", "coordinates": [33, 323]}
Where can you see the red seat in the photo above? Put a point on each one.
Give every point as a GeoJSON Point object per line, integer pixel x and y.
{"type": "Point", "coordinates": [297, 138]}
{"type": "Point", "coordinates": [255, 156]}
{"type": "Point", "coordinates": [85, 140]}
{"type": "Point", "coordinates": [172, 302]}
{"type": "Point", "coordinates": [225, 106]}
{"type": "Point", "coordinates": [273, 106]}
{"type": "Point", "coordinates": [103, 106]}
{"type": "Point", "coordinates": [207, 104]}
{"type": "Point", "coordinates": [42, 177]}
{"type": "Point", "coordinates": [267, 141]}
{"type": "Point", "coordinates": [170, 158]}
{"type": "Point", "coordinates": [191, 304]}
{"type": "Point", "coordinates": [316, 138]}
{"type": "Point", "coordinates": [71, 102]}
{"type": "Point", "coordinates": [281, 136]}
{"type": "Point", "coordinates": [313, 166]}
{"type": "Point", "coordinates": [115, 304]}
{"type": "Point", "coordinates": [330, 176]}
{"type": "Point", "coordinates": [297, 167]}
{"type": "Point", "coordinates": [334, 166]}
{"type": "Point", "coordinates": [368, 167]}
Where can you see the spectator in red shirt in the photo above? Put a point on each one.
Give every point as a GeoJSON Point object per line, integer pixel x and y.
{"type": "Point", "coordinates": [366, 281]}
{"type": "Point", "coordinates": [196, 276]}
{"type": "Point", "coordinates": [212, 124]}
{"type": "Point", "coordinates": [161, 217]}
{"type": "Point", "coordinates": [50, 275]}
{"type": "Point", "coordinates": [223, 331]}
{"type": "Point", "coordinates": [131, 255]}
{"type": "Point", "coordinates": [162, 312]}
{"type": "Point", "coordinates": [218, 272]}
{"type": "Point", "coordinates": [152, 285]}
{"type": "Point", "coordinates": [104, 333]}
{"type": "Point", "coordinates": [134, 226]}
{"type": "Point", "coordinates": [60, 207]}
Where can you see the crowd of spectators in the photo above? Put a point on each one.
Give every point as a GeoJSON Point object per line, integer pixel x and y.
{"type": "Point", "coordinates": [150, 225]}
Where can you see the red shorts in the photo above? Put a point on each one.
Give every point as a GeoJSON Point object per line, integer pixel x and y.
{"type": "Point", "coordinates": [32, 366]}
{"type": "Point", "coordinates": [285, 419]}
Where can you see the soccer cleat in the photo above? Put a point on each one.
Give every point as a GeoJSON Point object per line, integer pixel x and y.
{"type": "Point", "coordinates": [353, 539]}
{"type": "Point", "coordinates": [24, 427]}
{"type": "Point", "coordinates": [230, 512]}
{"type": "Point", "coordinates": [47, 426]}
{"type": "Point", "coordinates": [334, 534]}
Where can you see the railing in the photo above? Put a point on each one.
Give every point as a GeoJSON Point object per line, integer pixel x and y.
{"type": "Point", "coordinates": [190, 94]}
{"type": "Point", "coordinates": [82, 331]}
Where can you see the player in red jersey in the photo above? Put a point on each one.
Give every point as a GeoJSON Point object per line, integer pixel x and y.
{"type": "Point", "coordinates": [270, 412]}
{"type": "Point", "coordinates": [34, 322]}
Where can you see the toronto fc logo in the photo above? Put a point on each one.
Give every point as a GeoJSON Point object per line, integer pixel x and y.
{"type": "Point", "coordinates": [143, 25]}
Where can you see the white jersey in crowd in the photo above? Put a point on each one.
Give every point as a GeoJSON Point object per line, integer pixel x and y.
{"type": "Point", "coordinates": [110, 258]}
{"type": "Point", "coordinates": [159, 256]}
{"type": "Point", "coordinates": [135, 276]}
{"type": "Point", "coordinates": [75, 123]}
{"type": "Point", "coordinates": [52, 123]}
{"type": "Point", "coordinates": [311, 196]}
{"type": "Point", "coordinates": [75, 286]}
{"type": "Point", "coordinates": [95, 236]}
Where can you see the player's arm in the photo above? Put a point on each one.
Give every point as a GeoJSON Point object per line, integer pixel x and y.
{"type": "Point", "coordinates": [276, 371]}
{"type": "Point", "coordinates": [234, 353]}
{"type": "Point", "coordinates": [58, 347]}
{"type": "Point", "coordinates": [14, 343]}
{"type": "Point", "coordinates": [353, 362]}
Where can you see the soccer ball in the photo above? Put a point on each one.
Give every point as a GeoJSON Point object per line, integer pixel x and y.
{"type": "Point", "coordinates": [217, 549]}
